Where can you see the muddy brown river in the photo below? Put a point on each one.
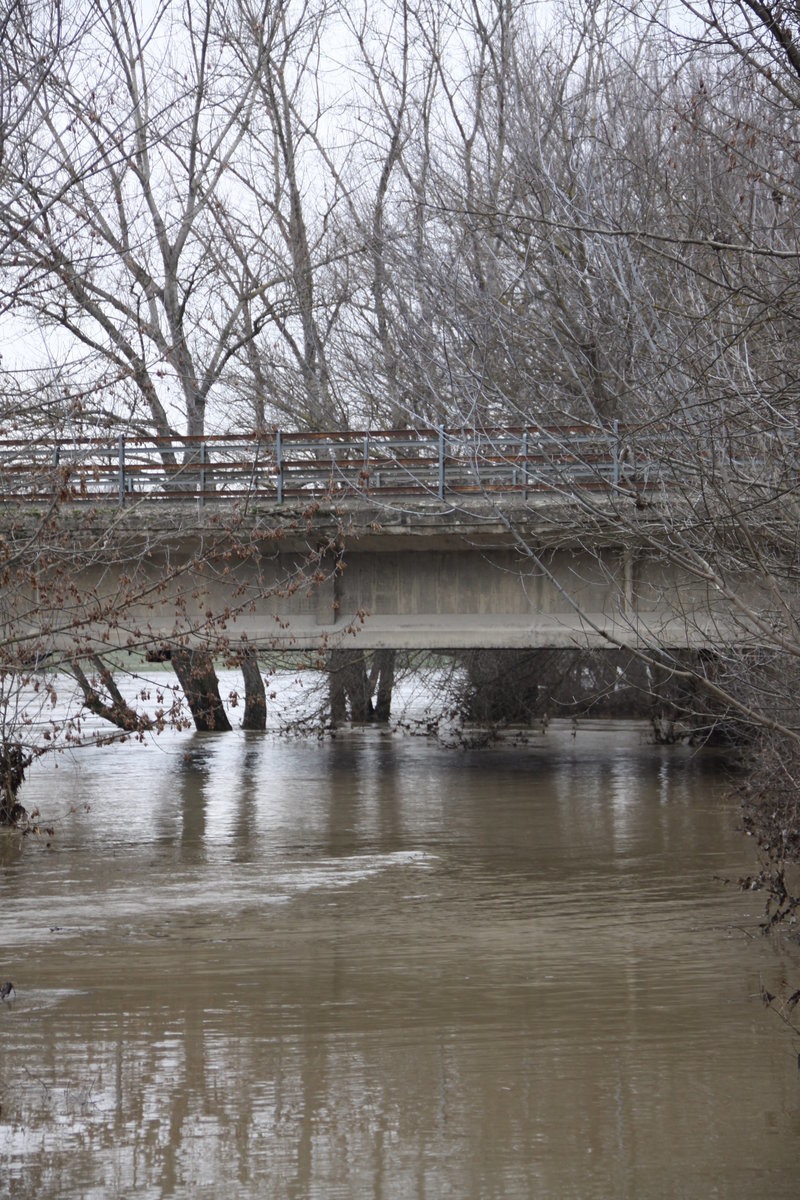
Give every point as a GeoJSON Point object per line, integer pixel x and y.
{"type": "Point", "coordinates": [375, 967]}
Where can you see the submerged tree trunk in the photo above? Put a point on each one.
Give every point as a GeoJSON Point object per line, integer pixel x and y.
{"type": "Point", "coordinates": [357, 685]}
{"type": "Point", "coordinates": [337, 697]}
{"type": "Point", "coordinates": [255, 694]}
{"type": "Point", "coordinates": [197, 677]}
{"type": "Point", "coordinates": [118, 711]}
{"type": "Point", "coordinates": [349, 688]}
{"type": "Point", "coordinates": [383, 673]}
{"type": "Point", "coordinates": [12, 772]}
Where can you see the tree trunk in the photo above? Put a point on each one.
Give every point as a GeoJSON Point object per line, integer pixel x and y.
{"type": "Point", "coordinates": [383, 672]}
{"type": "Point", "coordinates": [337, 697]}
{"type": "Point", "coordinates": [357, 686]}
{"type": "Point", "coordinates": [12, 773]}
{"type": "Point", "coordinates": [349, 687]}
{"type": "Point", "coordinates": [197, 677]}
{"type": "Point", "coordinates": [255, 695]}
{"type": "Point", "coordinates": [118, 712]}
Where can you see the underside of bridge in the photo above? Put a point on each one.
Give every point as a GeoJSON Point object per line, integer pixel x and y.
{"type": "Point", "coordinates": [427, 577]}
{"type": "Point", "coordinates": [532, 606]}
{"type": "Point", "coordinates": [406, 582]}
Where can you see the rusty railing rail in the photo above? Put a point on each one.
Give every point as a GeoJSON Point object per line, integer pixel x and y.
{"type": "Point", "coordinates": [281, 466]}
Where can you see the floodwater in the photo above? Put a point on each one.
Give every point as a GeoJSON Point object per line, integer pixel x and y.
{"type": "Point", "coordinates": [376, 967]}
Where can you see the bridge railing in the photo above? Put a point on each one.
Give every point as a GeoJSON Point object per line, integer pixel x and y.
{"type": "Point", "coordinates": [296, 466]}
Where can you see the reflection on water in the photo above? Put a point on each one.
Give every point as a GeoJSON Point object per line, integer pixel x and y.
{"type": "Point", "coordinates": [374, 967]}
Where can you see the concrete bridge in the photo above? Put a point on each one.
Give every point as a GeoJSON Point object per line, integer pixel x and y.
{"type": "Point", "coordinates": [419, 574]}
{"type": "Point", "coordinates": [409, 541]}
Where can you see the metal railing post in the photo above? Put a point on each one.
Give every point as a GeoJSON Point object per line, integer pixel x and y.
{"type": "Point", "coordinates": [616, 455]}
{"type": "Point", "coordinates": [201, 498]}
{"type": "Point", "coordinates": [279, 464]}
{"type": "Point", "coordinates": [525, 465]}
{"type": "Point", "coordinates": [441, 462]}
{"type": "Point", "coordinates": [121, 466]}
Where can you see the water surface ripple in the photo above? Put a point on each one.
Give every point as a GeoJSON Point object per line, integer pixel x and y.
{"type": "Point", "coordinates": [378, 968]}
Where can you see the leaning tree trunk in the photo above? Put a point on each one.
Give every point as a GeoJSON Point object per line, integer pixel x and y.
{"type": "Point", "coordinates": [197, 677]}
{"type": "Point", "coordinates": [118, 711]}
{"type": "Point", "coordinates": [255, 694]}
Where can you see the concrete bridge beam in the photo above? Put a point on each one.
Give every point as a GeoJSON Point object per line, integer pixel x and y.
{"type": "Point", "coordinates": [422, 577]}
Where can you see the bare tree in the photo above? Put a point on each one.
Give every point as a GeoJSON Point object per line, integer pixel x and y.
{"type": "Point", "coordinates": [654, 220]}
{"type": "Point", "coordinates": [153, 213]}
{"type": "Point", "coordinates": [286, 263]}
